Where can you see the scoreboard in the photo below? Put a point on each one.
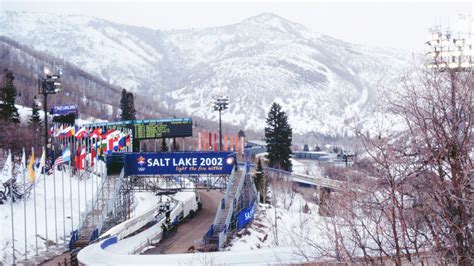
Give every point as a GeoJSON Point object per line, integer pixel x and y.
{"type": "Point", "coordinates": [153, 129]}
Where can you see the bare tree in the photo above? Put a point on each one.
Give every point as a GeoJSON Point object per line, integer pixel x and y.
{"type": "Point", "coordinates": [415, 200]}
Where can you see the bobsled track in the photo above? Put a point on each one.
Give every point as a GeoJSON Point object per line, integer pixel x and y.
{"type": "Point", "coordinates": [180, 224]}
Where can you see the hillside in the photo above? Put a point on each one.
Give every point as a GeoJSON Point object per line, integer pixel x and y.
{"type": "Point", "coordinates": [319, 80]}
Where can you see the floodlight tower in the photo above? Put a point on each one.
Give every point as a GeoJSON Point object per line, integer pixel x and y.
{"type": "Point", "coordinates": [48, 84]}
{"type": "Point", "coordinates": [220, 104]}
{"type": "Point", "coordinates": [450, 53]}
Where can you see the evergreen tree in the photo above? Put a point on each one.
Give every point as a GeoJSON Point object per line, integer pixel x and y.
{"type": "Point", "coordinates": [131, 107]}
{"type": "Point", "coordinates": [278, 135]}
{"type": "Point", "coordinates": [124, 106]}
{"type": "Point", "coordinates": [260, 181]}
{"type": "Point", "coordinates": [175, 145]}
{"type": "Point", "coordinates": [127, 106]}
{"type": "Point", "coordinates": [8, 93]}
{"type": "Point", "coordinates": [164, 146]}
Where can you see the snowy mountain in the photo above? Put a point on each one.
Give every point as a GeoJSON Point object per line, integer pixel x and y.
{"type": "Point", "coordinates": [320, 81]}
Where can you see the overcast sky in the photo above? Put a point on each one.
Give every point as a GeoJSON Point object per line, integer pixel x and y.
{"type": "Point", "coordinates": [390, 24]}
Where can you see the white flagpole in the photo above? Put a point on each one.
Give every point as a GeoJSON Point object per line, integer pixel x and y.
{"type": "Point", "coordinates": [64, 208]}
{"type": "Point", "coordinates": [70, 188]}
{"type": "Point", "coordinates": [11, 206]}
{"type": "Point", "coordinates": [54, 195]}
{"type": "Point", "coordinates": [78, 171]}
{"type": "Point", "coordinates": [34, 202]}
{"type": "Point", "coordinates": [45, 200]}
{"type": "Point", "coordinates": [85, 178]}
{"type": "Point", "coordinates": [24, 205]}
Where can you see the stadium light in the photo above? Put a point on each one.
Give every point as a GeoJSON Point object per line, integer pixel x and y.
{"type": "Point", "coordinates": [48, 84]}
{"type": "Point", "coordinates": [450, 52]}
{"type": "Point", "coordinates": [220, 104]}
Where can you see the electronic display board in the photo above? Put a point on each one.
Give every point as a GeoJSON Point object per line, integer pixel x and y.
{"type": "Point", "coordinates": [163, 129]}
{"type": "Point", "coordinates": [154, 128]}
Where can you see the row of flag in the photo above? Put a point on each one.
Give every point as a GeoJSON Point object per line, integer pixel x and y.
{"type": "Point", "coordinates": [62, 131]}
{"type": "Point", "coordinates": [34, 168]}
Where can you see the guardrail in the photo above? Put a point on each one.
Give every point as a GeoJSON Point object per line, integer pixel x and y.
{"type": "Point", "coordinates": [226, 194]}
{"type": "Point", "coordinates": [321, 181]}
{"type": "Point", "coordinates": [89, 205]}
{"type": "Point", "coordinates": [118, 183]}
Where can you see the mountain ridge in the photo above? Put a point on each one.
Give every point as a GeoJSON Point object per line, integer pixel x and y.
{"type": "Point", "coordinates": [320, 81]}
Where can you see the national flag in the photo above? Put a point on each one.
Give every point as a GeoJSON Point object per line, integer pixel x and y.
{"type": "Point", "coordinates": [127, 140]}
{"type": "Point", "coordinates": [40, 165]}
{"type": "Point", "coordinates": [96, 133]}
{"type": "Point", "coordinates": [23, 163]}
{"type": "Point", "coordinates": [108, 134]}
{"type": "Point", "coordinates": [82, 158]}
{"type": "Point", "coordinates": [116, 142]}
{"type": "Point", "coordinates": [7, 168]}
{"type": "Point", "coordinates": [93, 154]}
{"type": "Point", "coordinates": [71, 132]}
{"type": "Point", "coordinates": [110, 144]}
{"type": "Point", "coordinates": [51, 130]}
{"type": "Point", "coordinates": [80, 133]}
{"type": "Point", "coordinates": [122, 142]}
{"type": "Point", "coordinates": [31, 169]}
{"type": "Point", "coordinates": [58, 161]}
{"type": "Point", "coordinates": [65, 131]}
{"type": "Point", "coordinates": [78, 155]}
{"type": "Point", "coordinates": [66, 155]}
{"type": "Point", "coordinates": [58, 131]}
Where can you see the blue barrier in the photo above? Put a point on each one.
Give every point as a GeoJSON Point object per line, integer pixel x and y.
{"type": "Point", "coordinates": [94, 235]}
{"type": "Point", "coordinates": [108, 242]}
{"type": "Point", "coordinates": [74, 238]}
{"type": "Point", "coordinates": [245, 216]}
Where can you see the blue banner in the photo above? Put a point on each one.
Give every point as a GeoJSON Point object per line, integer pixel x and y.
{"type": "Point", "coordinates": [178, 163]}
{"type": "Point", "coordinates": [245, 216]}
{"type": "Point", "coordinates": [64, 109]}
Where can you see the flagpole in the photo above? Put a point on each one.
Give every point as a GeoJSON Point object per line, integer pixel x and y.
{"type": "Point", "coordinates": [45, 200]}
{"type": "Point", "coordinates": [78, 172]}
{"type": "Point", "coordinates": [84, 162]}
{"type": "Point", "coordinates": [24, 206]}
{"type": "Point", "coordinates": [70, 188]}
{"type": "Point", "coordinates": [64, 208]}
{"type": "Point", "coordinates": [54, 195]}
{"type": "Point", "coordinates": [34, 202]}
{"type": "Point", "coordinates": [11, 207]}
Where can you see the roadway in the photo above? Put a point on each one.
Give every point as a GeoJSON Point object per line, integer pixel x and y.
{"type": "Point", "coordinates": [189, 235]}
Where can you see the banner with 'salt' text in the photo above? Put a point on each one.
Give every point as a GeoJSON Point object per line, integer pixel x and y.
{"type": "Point", "coordinates": [178, 163]}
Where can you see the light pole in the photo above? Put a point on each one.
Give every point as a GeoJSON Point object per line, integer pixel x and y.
{"type": "Point", "coordinates": [220, 104]}
{"type": "Point", "coordinates": [450, 53]}
{"type": "Point", "coordinates": [48, 84]}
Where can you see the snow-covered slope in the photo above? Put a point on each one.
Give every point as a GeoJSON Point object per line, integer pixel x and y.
{"type": "Point", "coordinates": [319, 80]}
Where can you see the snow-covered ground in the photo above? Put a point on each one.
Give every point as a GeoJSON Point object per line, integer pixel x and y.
{"type": "Point", "coordinates": [290, 224]}
{"type": "Point", "coordinates": [61, 205]}
{"type": "Point", "coordinates": [26, 112]}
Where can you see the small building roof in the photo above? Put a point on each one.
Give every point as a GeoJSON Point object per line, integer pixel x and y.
{"type": "Point", "coordinates": [257, 142]}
